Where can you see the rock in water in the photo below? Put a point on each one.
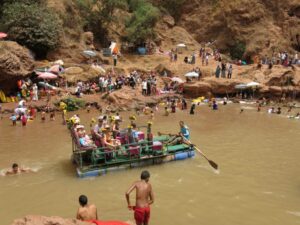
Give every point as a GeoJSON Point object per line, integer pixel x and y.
{"type": "Point", "coordinates": [15, 63]}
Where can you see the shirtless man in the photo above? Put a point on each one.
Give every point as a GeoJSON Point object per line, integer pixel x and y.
{"type": "Point", "coordinates": [144, 198]}
{"type": "Point", "coordinates": [86, 212]}
{"type": "Point", "coordinates": [15, 169]}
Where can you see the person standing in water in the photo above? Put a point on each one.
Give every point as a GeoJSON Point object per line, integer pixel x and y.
{"type": "Point", "coordinates": [86, 212]}
{"type": "Point", "coordinates": [144, 198]}
{"type": "Point", "coordinates": [192, 111]}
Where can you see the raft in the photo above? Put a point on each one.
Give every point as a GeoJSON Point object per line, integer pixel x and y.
{"type": "Point", "coordinates": [97, 161]}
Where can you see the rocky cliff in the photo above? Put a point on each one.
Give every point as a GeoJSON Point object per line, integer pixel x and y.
{"type": "Point", "coordinates": [15, 63]}
{"type": "Point", "coordinates": [264, 26]}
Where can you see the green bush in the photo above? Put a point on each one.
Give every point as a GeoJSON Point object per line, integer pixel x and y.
{"type": "Point", "coordinates": [237, 51]}
{"type": "Point", "coordinates": [32, 25]}
{"type": "Point", "coordinates": [140, 27]}
{"type": "Point", "coordinates": [97, 16]}
{"type": "Point", "coordinates": [173, 7]}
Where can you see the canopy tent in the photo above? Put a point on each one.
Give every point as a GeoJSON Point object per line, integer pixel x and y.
{"type": "Point", "coordinates": [191, 74]}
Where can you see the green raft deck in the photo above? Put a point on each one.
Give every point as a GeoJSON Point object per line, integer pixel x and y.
{"type": "Point", "coordinates": [93, 161]}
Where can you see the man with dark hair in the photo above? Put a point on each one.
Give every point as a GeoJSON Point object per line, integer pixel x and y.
{"type": "Point", "coordinates": [86, 212]}
{"type": "Point", "coordinates": [15, 169]}
{"type": "Point", "coordinates": [144, 198]}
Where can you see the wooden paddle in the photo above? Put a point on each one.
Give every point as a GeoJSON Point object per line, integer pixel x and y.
{"type": "Point", "coordinates": [212, 163]}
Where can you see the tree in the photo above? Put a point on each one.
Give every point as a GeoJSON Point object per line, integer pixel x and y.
{"type": "Point", "coordinates": [141, 25]}
{"type": "Point", "coordinates": [237, 51]}
{"type": "Point", "coordinates": [173, 7]}
{"type": "Point", "coordinates": [98, 14]}
{"type": "Point", "coordinates": [32, 25]}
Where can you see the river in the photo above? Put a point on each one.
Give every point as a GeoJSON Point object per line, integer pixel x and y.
{"type": "Point", "coordinates": [258, 181]}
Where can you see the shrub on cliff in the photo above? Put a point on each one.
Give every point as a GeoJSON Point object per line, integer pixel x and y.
{"type": "Point", "coordinates": [140, 27]}
{"type": "Point", "coordinates": [173, 7]}
{"type": "Point", "coordinates": [98, 14]}
{"type": "Point", "coordinates": [32, 25]}
{"type": "Point", "coordinates": [237, 50]}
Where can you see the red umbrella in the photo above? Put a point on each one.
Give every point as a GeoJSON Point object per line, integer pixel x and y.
{"type": "Point", "coordinates": [3, 35]}
{"type": "Point", "coordinates": [46, 75]}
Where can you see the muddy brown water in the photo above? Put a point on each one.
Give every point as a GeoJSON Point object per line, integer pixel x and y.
{"type": "Point", "coordinates": [258, 181]}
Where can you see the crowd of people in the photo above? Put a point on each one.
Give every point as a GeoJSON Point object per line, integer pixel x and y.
{"type": "Point", "coordinates": [281, 58]}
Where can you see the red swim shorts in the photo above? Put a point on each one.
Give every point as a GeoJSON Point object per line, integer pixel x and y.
{"type": "Point", "coordinates": [142, 215]}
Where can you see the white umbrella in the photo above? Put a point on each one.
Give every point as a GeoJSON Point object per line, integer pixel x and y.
{"type": "Point", "coordinates": [89, 53]}
{"type": "Point", "coordinates": [240, 86]}
{"type": "Point", "coordinates": [181, 45]}
{"type": "Point", "coordinates": [177, 79]}
{"type": "Point", "coordinates": [253, 84]}
{"type": "Point", "coordinates": [192, 74]}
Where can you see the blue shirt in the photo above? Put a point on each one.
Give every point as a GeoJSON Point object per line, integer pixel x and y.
{"type": "Point", "coordinates": [185, 132]}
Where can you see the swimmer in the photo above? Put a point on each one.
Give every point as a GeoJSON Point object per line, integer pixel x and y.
{"type": "Point", "coordinates": [15, 169]}
{"type": "Point", "coordinates": [86, 212]}
{"type": "Point", "coordinates": [242, 110]}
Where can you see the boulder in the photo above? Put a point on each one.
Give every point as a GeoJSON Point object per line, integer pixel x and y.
{"type": "Point", "coordinates": [195, 90]}
{"type": "Point", "coordinates": [161, 69]}
{"type": "Point", "coordinates": [15, 63]}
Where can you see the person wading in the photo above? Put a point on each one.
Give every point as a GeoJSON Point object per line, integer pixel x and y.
{"type": "Point", "coordinates": [144, 198]}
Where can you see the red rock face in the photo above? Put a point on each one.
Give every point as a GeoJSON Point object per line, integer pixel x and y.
{"type": "Point", "coordinates": [15, 63]}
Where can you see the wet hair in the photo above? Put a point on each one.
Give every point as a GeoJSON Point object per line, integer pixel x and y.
{"type": "Point", "coordinates": [15, 165]}
{"type": "Point", "coordinates": [145, 175]}
{"type": "Point", "coordinates": [83, 200]}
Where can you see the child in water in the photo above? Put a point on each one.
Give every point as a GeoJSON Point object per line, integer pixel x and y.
{"type": "Point", "coordinates": [166, 111]}
{"type": "Point", "coordinates": [52, 116]}
{"type": "Point", "coordinates": [13, 118]}
{"type": "Point", "coordinates": [43, 116]}
{"type": "Point", "coordinates": [24, 119]}
{"type": "Point", "coordinates": [215, 105]}
{"type": "Point", "coordinates": [151, 115]}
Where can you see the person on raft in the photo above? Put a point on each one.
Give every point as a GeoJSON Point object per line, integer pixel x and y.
{"type": "Point", "coordinates": [144, 198]}
{"type": "Point", "coordinates": [182, 136]}
{"type": "Point", "coordinates": [86, 212]}
{"type": "Point", "coordinates": [15, 169]}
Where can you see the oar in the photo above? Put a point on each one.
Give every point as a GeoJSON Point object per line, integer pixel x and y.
{"type": "Point", "coordinates": [212, 163]}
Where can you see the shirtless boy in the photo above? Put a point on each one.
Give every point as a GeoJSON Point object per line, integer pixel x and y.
{"type": "Point", "coordinates": [144, 198]}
